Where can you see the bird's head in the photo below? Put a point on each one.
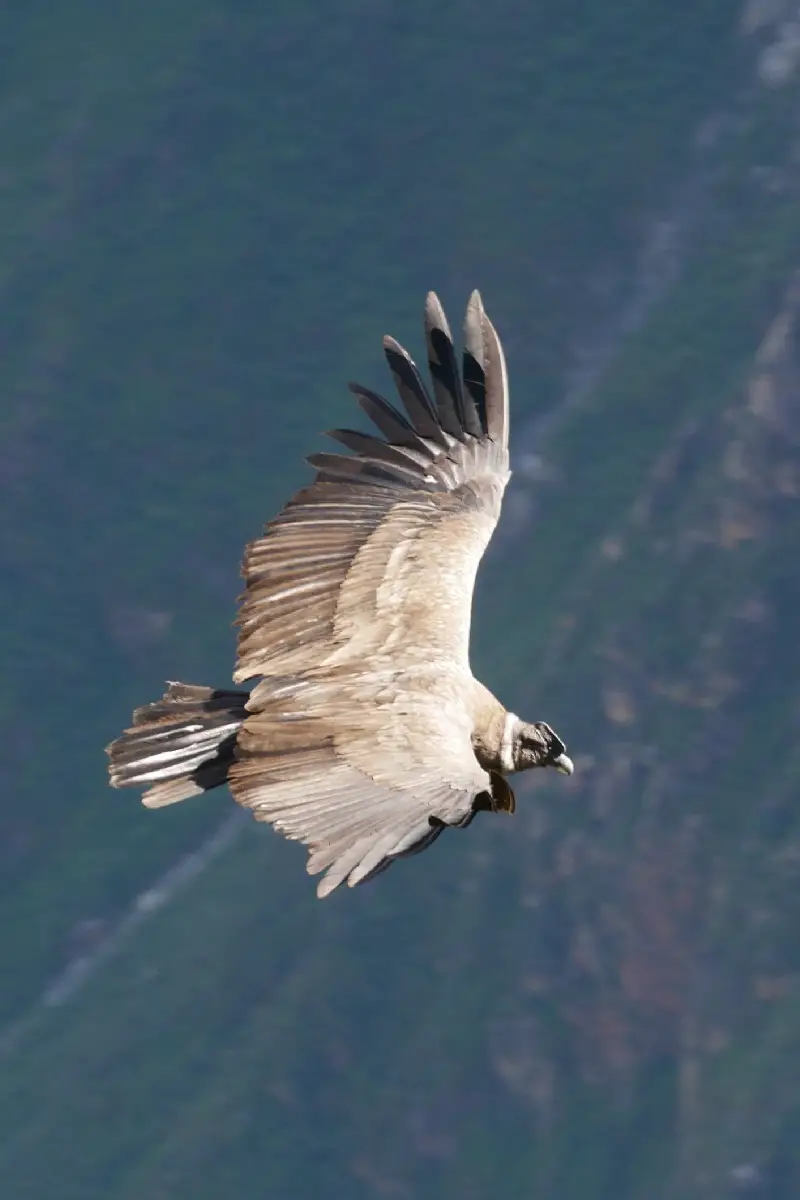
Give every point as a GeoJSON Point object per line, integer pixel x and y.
{"type": "Point", "coordinates": [536, 745]}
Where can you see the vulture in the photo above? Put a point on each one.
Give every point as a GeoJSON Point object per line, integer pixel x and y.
{"type": "Point", "coordinates": [364, 733]}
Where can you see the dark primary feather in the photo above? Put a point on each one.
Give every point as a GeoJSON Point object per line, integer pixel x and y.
{"type": "Point", "coordinates": [458, 412]}
{"type": "Point", "coordinates": [382, 469]}
{"type": "Point", "coordinates": [392, 424]}
{"type": "Point", "coordinates": [414, 394]}
{"type": "Point", "coordinates": [442, 468]}
{"type": "Point", "coordinates": [485, 371]}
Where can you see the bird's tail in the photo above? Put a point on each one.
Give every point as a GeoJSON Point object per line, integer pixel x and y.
{"type": "Point", "coordinates": [182, 744]}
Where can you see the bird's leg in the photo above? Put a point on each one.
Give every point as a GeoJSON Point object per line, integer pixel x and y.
{"type": "Point", "coordinates": [503, 799]}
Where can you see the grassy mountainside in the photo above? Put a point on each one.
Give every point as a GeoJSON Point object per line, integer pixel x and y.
{"type": "Point", "coordinates": [211, 215]}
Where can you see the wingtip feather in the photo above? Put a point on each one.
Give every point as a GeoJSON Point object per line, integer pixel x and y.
{"type": "Point", "coordinates": [485, 368]}
{"type": "Point", "coordinates": [497, 415]}
{"type": "Point", "coordinates": [458, 413]}
{"type": "Point", "coordinates": [475, 303]}
{"type": "Point", "coordinates": [434, 314]}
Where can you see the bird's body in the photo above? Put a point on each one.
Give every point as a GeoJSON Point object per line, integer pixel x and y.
{"type": "Point", "coordinates": [367, 733]}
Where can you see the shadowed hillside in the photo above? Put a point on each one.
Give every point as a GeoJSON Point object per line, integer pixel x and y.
{"type": "Point", "coordinates": [212, 212]}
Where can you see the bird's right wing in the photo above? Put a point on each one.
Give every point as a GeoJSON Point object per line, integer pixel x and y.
{"type": "Point", "coordinates": [377, 558]}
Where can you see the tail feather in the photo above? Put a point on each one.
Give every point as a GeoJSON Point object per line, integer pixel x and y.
{"type": "Point", "coordinates": [183, 744]}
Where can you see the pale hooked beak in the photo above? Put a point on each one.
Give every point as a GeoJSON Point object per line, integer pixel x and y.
{"type": "Point", "coordinates": [564, 764]}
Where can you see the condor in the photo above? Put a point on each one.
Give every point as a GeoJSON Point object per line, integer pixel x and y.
{"type": "Point", "coordinates": [366, 733]}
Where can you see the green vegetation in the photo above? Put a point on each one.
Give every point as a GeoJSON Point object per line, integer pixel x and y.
{"type": "Point", "coordinates": [210, 214]}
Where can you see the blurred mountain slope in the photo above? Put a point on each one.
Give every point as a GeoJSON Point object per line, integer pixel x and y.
{"type": "Point", "coordinates": [211, 215]}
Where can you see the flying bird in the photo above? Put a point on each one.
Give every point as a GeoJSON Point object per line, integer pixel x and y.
{"type": "Point", "coordinates": [365, 733]}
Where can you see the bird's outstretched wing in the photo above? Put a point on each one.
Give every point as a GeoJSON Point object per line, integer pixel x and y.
{"type": "Point", "coordinates": [357, 610]}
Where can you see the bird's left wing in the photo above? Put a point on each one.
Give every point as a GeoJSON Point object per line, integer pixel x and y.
{"type": "Point", "coordinates": [361, 768]}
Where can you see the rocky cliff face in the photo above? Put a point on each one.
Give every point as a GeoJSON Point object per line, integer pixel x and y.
{"type": "Point", "coordinates": [671, 871]}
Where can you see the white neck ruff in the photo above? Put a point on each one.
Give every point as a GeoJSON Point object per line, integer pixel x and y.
{"type": "Point", "coordinates": [507, 744]}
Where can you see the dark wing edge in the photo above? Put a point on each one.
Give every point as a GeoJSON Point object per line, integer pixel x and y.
{"type": "Point", "coordinates": [425, 444]}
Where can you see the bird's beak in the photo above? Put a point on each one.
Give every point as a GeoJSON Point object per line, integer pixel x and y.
{"type": "Point", "coordinates": [563, 764]}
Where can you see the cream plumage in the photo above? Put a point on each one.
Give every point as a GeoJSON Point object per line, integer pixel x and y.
{"type": "Point", "coordinates": [366, 733]}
